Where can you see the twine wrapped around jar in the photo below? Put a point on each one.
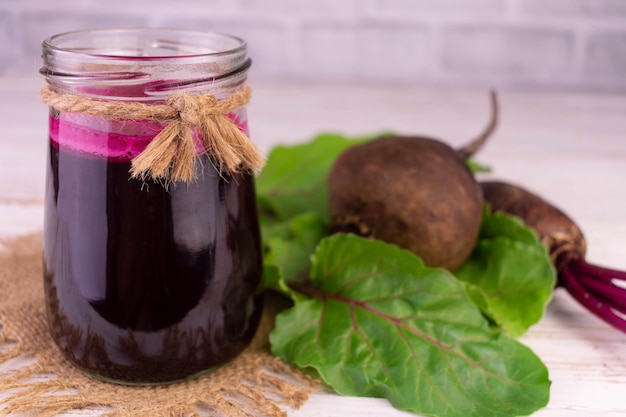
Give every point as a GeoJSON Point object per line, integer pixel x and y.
{"type": "Point", "coordinates": [171, 155]}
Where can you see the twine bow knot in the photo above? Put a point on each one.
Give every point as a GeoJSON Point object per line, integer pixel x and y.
{"type": "Point", "coordinates": [171, 155]}
{"type": "Point", "coordinates": [190, 110]}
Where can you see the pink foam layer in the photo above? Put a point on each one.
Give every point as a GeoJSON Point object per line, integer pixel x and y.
{"type": "Point", "coordinates": [112, 140]}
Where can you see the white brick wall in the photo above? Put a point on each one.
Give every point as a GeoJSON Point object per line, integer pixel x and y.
{"type": "Point", "coordinates": [577, 8]}
{"type": "Point", "coordinates": [606, 54]}
{"type": "Point", "coordinates": [538, 43]}
{"type": "Point", "coordinates": [507, 51]}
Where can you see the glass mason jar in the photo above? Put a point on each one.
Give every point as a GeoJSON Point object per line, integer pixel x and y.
{"type": "Point", "coordinates": [146, 280]}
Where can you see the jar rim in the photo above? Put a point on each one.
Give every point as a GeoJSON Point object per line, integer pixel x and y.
{"type": "Point", "coordinates": [144, 63]}
{"type": "Point", "coordinates": [53, 44]}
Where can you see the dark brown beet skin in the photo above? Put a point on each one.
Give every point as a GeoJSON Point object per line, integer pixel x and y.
{"type": "Point", "coordinates": [414, 192]}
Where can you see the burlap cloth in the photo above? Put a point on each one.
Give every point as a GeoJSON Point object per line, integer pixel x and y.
{"type": "Point", "coordinates": [254, 384]}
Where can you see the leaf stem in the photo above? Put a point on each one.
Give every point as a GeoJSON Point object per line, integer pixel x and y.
{"type": "Point", "coordinates": [598, 271]}
{"type": "Point", "coordinates": [574, 286]}
{"type": "Point", "coordinates": [321, 294]}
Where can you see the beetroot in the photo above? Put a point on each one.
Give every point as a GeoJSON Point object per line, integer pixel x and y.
{"type": "Point", "coordinates": [415, 192]}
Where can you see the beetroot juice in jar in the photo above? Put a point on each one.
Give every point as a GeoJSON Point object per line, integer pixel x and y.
{"type": "Point", "coordinates": [147, 280]}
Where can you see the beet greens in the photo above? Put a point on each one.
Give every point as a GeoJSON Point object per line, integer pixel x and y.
{"type": "Point", "coordinates": [370, 319]}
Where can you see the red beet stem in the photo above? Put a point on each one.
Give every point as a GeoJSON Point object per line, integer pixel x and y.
{"type": "Point", "coordinates": [598, 271]}
{"type": "Point", "coordinates": [608, 293]}
{"type": "Point", "coordinates": [592, 303]}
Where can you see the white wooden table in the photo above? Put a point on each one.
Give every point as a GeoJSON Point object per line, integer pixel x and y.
{"type": "Point", "coordinates": [570, 148]}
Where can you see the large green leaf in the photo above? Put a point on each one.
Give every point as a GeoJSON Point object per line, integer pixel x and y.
{"type": "Point", "coordinates": [509, 275]}
{"type": "Point", "coordinates": [379, 323]}
{"type": "Point", "coordinates": [294, 178]}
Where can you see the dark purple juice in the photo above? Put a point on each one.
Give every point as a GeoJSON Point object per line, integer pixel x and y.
{"type": "Point", "coordinates": [145, 283]}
